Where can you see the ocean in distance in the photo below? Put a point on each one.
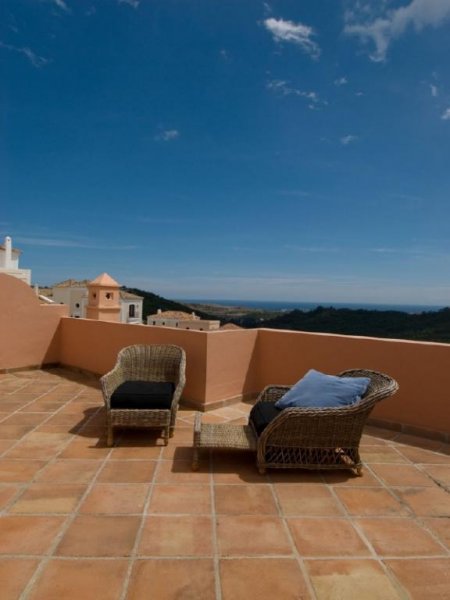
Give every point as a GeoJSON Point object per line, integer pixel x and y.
{"type": "Point", "coordinates": [306, 306]}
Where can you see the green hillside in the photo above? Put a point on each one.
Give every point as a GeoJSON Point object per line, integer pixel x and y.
{"type": "Point", "coordinates": [427, 326]}
{"type": "Point", "coordinates": [152, 302]}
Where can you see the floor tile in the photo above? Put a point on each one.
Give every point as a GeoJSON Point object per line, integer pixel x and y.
{"type": "Point", "coordinates": [399, 537]}
{"type": "Point", "coordinates": [90, 535]}
{"type": "Point", "coordinates": [236, 467]}
{"type": "Point", "coordinates": [424, 579]}
{"type": "Point", "coordinates": [345, 478]}
{"type": "Point", "coordinates": [180, 499]}
{"type": "Point", "coordinates": [111, 498]}
{"type": "Point", "coordinates": [440, 527]}
{"type": "Point", "coordinates": [69, 471]}
{"type": "Point", "coordinates": [370, 502]}
{"type": "Point", "coordinates": [138, 452]}
{"type": "Point", "coordinates": [381, 454]}
{"type": "Point", "coordinates": [244, 499]}
{"type": "Point", "coordinates": [313, 501]}
{"type": "Point", "coordinates": [19, 471]}
{"type": "Point", "coordinates": [172, 580]}
{"type": "Point", "coordinates": [318, 537]}
{"type": "Point", "coordinates": [402, 475]}
{"type": "Point", "coordinates": [345, 579]}
{"type": "Point", "coordinates": [14, 576]}
{"type": "Point", "coordinates": [39, 445]}
{"type": "Point", "coordinates": [419, 456]}
{"type": "Point", "coordinates": [7, 493]}
{"type": "Point", "coordinates": [86, 448]}
{"type": "Point", "coordinates": [263, 578]}
{"type": "Point", "coordinates": [81, 580]}
{"type": "Point", "coordinates": [176, 536]}
{"type": "Point", "coordinates": [252, 535]}
{"type": "Point", "coordinates": [439, 474]}
{"type": "Point", "coordinates": [127, 471]}
{"type": "Point", "coordinates": [427, 502]}
{"type": "Point", "coordinates": [28, 534]}
{"type": "Point", "coordinates": [180, 471]}
{"type": "Point", "coordinates": [48, 498]}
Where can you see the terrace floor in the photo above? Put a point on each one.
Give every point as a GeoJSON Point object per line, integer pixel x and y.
{"type": "Point", "coordinates": [79, 520]}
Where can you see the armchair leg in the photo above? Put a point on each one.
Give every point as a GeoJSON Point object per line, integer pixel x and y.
{"type": "Point", "coordinates": [166, 436]}
{"type": "Point", "coordinates": [195, 464]}
{"type": "Point", "coordinates": [171, 432]}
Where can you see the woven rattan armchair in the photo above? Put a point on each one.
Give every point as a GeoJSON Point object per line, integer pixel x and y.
{"type": "Point", "coordinates": [145, 363]}
{"type": "Point", "coordinates": [319, 438]}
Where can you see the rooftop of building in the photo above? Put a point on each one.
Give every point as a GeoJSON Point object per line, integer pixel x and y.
{"type": "Point", "coordinates": [133, 521]}
{"type": "Point", "coordinates": [174, 314]}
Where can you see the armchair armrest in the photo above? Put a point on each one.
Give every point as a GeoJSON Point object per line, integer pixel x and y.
{"type": "Point", "coordinates": [110, 382]}
{"type": "Point", "coordinates": [272, 393]}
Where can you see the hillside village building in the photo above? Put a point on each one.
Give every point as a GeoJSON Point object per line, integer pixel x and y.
{"type": "Point", "coordinates": [9, 262]}
{"type": "Point", "coordinates": [75, 295]}
{"type": "Point", "coordinates": [182, 320]}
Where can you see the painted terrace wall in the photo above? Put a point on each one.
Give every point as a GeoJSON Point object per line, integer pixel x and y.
{"type": "Point", "coordinates": [228, 365]}
{"type": "Point", "coordinates": [94, 345]}
{"type": "Point", "coordinates": [29, 330]}
{"type": "Point", "coordinates": [422, 370]}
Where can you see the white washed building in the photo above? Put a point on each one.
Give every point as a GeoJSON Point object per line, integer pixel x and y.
{"type": "Point", "coordinates": [9, 262]}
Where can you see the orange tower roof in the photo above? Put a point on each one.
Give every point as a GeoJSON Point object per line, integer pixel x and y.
{"type": "Point", "coordinates": [104, 279]}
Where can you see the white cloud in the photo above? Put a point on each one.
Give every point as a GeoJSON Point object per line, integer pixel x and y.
{"type": "Point", "coordinates": [434, 90]}
{"type": "Point", "coordinates": [36, 60]}
{"type": "Point", "coordinates": [68, 243]}
{"type": "Point", "coordinates": [283, 88]}
{"type": "Point", "coordinates": [132, 3]}
{"type": "Point", "coordinates": [348, 139]}
{"type": "Point", "coordinates": [62, 5]}
{"type": "Point", "coordinates": [167, 135]}
{"type": "Point", "coordinates": [384, 29]}
{"type": "Point", "coordinates": [295, 33]}
{"type": "Point", "coordinates": [446, 115]}
{"type": "Point", "coordinates": [341, 81]}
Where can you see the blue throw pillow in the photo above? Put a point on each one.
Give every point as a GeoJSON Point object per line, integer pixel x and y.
{"type": "Point", "coordinates": [318, 390]}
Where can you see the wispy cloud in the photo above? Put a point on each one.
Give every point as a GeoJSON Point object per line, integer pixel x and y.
{"type": "Point", "coordinates": [283, 88]}
{"type": "Point", "coordinates": [348, 139]}
{"type": "Point", "coordinates": [167, 135]}
{"type": "Point", "coordinates": [313, 249]}
{"type": "Point", "coordinates": [446, 115]}
{"type": "Point", "coordinates": [294, 33]}
{"type": "Point", "coordinates": [382, 31]}
{"type": "Point", "coordinates": [132, 3]}
{"type": "Point", "coordinates": [434, 90]}
{"type": "Point", "coordinates": [296, 193]}
{"type": "Point", "coordinates": [36, 60]}
{"type": "Point", "coordinates": [61, 4]}
{"type": "Point", "coordinates": [68, 243]}
{"type": "Point", "coordinates": [267, 9]}
{"type": "Point", "coordinates": [341, 81]}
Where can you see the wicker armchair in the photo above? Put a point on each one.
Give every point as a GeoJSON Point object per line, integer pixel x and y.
{"type": "Point", "coordinates": [145, 363]}
{"type": "Point", "coordinates": [325, 438]}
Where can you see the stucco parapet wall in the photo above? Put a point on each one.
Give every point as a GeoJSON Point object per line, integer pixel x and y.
{"type": "Point", "coordinates": [29, 329]}
{"type": "Point", "coordinates": [227, 366]}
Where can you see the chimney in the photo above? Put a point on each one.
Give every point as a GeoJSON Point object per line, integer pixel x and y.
{"type": "Point", "coordinates": [159, 311]}
{"type": "Point", "coordinates": [8, 252]}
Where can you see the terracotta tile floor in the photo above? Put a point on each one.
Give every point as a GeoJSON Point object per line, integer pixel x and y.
{"type": "Point", "coordinates": [79, 520]}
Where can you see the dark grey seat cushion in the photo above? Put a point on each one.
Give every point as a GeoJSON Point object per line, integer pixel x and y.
{"type": "Point", "coordinates": [144, 395]}
{"type": "Point", "coordinates": [262, 414]}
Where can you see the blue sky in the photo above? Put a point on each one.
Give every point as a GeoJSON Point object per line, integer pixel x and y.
{"type": "Point", "coordinates": [278, 150]}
